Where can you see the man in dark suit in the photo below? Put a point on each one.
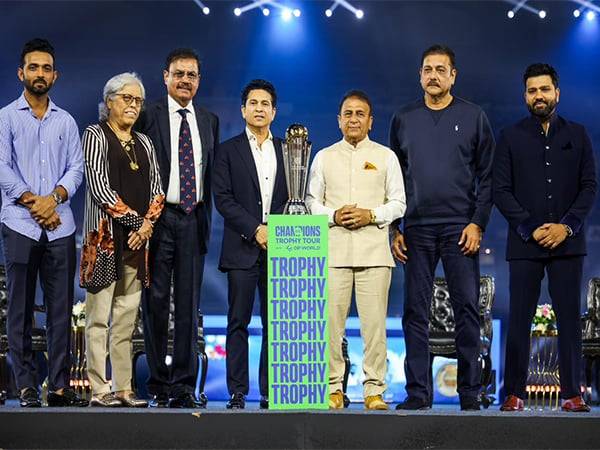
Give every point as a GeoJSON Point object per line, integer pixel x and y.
{"type": "Point", "coordinates": [184, 135]}
{"type": "Point", "coordinates": [249, 184]}
{"type": "Point", "coordinates": [544, 184]}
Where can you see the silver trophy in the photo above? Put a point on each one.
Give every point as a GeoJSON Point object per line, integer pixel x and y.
{"type": "Point", "coordinates": [296, 153]}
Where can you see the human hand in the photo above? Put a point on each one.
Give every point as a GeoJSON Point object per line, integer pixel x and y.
{"type": "Point", "coordinates": [353, 218]}
{"type": "Point", "coordinates": [554, 235]}
{"type": "Point", "coordinates": [51, 223]}
{"type": "Point", "coordinates": [41, 207]}
{"type": "Point", "coordinates": [470, 239]}
{"type": "Point", "coordinates": [399, 248]}
{"type": "Point", "coordinates": [261, 236]}
{"type": "Point", "coordinates": [135, 241]}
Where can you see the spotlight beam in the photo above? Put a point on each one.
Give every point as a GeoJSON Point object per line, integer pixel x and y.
{"type": "Point", "coordinates": [518, 5]}
{"type": "Point", "coordinates": [588, 5]}
{"type": "Point", "coordinates": [333, 6]}
{"type": "Point", "coordinates": [205, 9]}
{"type": "Point", "coordinates": [253, 5]}
{"type": "Point", "coordinates": [277, 5]}
{"type": "Point", "coordinates": [522, 4]}
{"type": "Point", "coordinates": [348, 6]}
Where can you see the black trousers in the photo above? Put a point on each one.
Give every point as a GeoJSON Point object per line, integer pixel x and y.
{"type": "Point", "coordinates": [426, 246]}
{"type": "Point", "coordinates": [175, 255]}
{"type": "Point", "coordinates": [242, 284]}
{"type": "Point", "coordinates": [54, 262]}
{"type": "Point", "coordinates": [564, 285]}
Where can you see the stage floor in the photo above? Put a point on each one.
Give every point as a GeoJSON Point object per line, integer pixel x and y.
{"type": "Point", "coordinates": [353, 428]}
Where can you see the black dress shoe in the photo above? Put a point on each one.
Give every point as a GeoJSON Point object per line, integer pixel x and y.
{"type": "Point", "coordinates": [68, 398]}
{"type": "Point", "coordinates": [264, 402]}
{"type": "Point", "coordinates": [414, 404]}
{"type": "Point", "coordinates": [30, 398]}
{"type": "Point", "coordinates": [237, 401]}
{"type": "Point", "coordinates": [470, 404]}
{"type": "Point", "coordinates": [160, 401]}
{"type": "Point", "coordinates": [185, 400]}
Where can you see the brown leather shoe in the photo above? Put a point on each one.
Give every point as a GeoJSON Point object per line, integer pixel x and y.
{"type": "Point", "coordinates": [512, 403]}
{"type": "Point", "coordinates": [336, 400]}
{"type": "Point", "coordinates": [376, 402]}
{"type": "Point", "coordinates": [575, 404]}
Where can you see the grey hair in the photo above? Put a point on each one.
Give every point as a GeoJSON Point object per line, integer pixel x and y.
{"type": "Point", "coordinates": [114, 86]}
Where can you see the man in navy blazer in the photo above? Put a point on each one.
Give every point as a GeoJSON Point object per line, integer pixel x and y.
{"type": "Point", "coordinates": [544, 183]}
{"type": "Point", "coordinates": [248, 184]}
{"type": "Point", "coordinates": [184, 136]}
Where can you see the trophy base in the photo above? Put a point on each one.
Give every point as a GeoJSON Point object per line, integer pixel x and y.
{"type": "Point", "coordinates": [295, 208]}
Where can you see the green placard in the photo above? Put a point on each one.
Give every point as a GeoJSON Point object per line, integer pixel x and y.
{"type": "Point", "coordinates": [298, 311]}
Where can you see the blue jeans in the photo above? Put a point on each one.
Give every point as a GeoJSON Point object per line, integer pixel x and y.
{"type": "Point", "coordinates": [427, 244]}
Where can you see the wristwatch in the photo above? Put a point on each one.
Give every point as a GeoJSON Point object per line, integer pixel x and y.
{"type": "Point", "coordinates": [569, 230]}
{"type": "Point", "coordinates": [373, 217]}
{"type": "Point", "coordinates": [57, 198]}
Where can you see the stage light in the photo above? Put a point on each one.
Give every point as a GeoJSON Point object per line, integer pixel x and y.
{"type": "Point", "coordinates": [359, 14]}
{"type": "Point", "coordinates": [542, 14]}
{"type": "Point", "coordinates": [206, 10]}
{"type": "Point", "coordinates": [328, 12]}
{"type": "Point", "coordinates": [297, 13]}
{"type": "Point", "coordinates": [266, 12]}
{"type": "Point", "coordinates": [590, 15]}
{"type": "Point", "coordinates": [286, 14]}
{"type": "Point", "coordinates": [576, 13]}
{"type": "Point", "coordinates": [237, 11]}
{"type": "Point", "coordinates": [510, 14]}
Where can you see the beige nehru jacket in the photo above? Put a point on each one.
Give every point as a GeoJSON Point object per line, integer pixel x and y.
{"type": "Point", "coordinates": [369, 176]}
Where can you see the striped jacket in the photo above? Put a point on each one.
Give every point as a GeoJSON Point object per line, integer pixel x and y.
{"type": "Point", "coordinates": [103, 205]}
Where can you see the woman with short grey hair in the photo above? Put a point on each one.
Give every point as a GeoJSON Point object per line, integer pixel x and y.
{"type": "Point", "coordinates": [124, 198]}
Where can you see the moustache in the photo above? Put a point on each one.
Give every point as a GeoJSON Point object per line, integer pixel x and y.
{"type": "Point", "coordinates": [433, 83]}
{"type": "Point", "coordinates": [184, 86]}
{"type": "Point", "coordinates": [39, 80]}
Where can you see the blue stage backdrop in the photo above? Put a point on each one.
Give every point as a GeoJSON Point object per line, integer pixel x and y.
{"type": "Point", "coordinates": [313, 60]}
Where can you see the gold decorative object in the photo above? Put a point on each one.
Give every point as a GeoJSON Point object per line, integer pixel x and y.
{"type": "Point", "coordinates": [543, 381]}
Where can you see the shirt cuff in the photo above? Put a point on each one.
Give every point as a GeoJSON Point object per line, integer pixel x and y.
{"type": "Point", "coordinates": [527, 227]}
{"type": "Point", "coordinates": [380, 216]}
{"type": "Point", "coordinates": [480, 220]}
{"type": "Point", "coordinates": [17, 191]}
{"type": "Point", "coordinates": [572, 222]}
{"type": "Point", "coordinates": [330, 217]}
{"type": "Point", "coordinates": [68, 186]}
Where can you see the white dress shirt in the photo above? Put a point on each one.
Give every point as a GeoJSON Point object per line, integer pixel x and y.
{"type": "Point", "coordinates": [175, 119]}
{"type": "Point", "coordinates": [266, 169]}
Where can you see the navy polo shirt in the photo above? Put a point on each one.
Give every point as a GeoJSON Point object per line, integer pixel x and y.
{"type": "Point", "coordinates": [446, 158]}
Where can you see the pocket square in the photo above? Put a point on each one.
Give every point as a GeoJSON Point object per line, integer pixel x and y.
{"type": "Point", "coordinates": [369, 166]}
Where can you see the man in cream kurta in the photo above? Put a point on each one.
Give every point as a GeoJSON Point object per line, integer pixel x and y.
{"type": "Point", "coordinates": [358, 184]}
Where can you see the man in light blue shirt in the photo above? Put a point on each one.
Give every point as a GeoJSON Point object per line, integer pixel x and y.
{"type": "Point", "coordinates": [41, 167]}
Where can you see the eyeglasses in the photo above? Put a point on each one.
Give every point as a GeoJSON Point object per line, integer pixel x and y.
{"type": "Point", "coordinates": [129, 99]}
{"type": "Point", "coordinates": [180, 75]}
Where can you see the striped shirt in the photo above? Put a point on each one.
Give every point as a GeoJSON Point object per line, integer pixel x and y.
{"type": "Point", "coordinates": [103, 205]}
{"type": "Point", "coordinates": [36, 156]}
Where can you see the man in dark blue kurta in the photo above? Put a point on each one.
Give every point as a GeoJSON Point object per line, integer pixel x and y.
{"type": "Point", "coordinates": [445, 146]}
{"type": "Point", "coordinates": [544, 184]}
